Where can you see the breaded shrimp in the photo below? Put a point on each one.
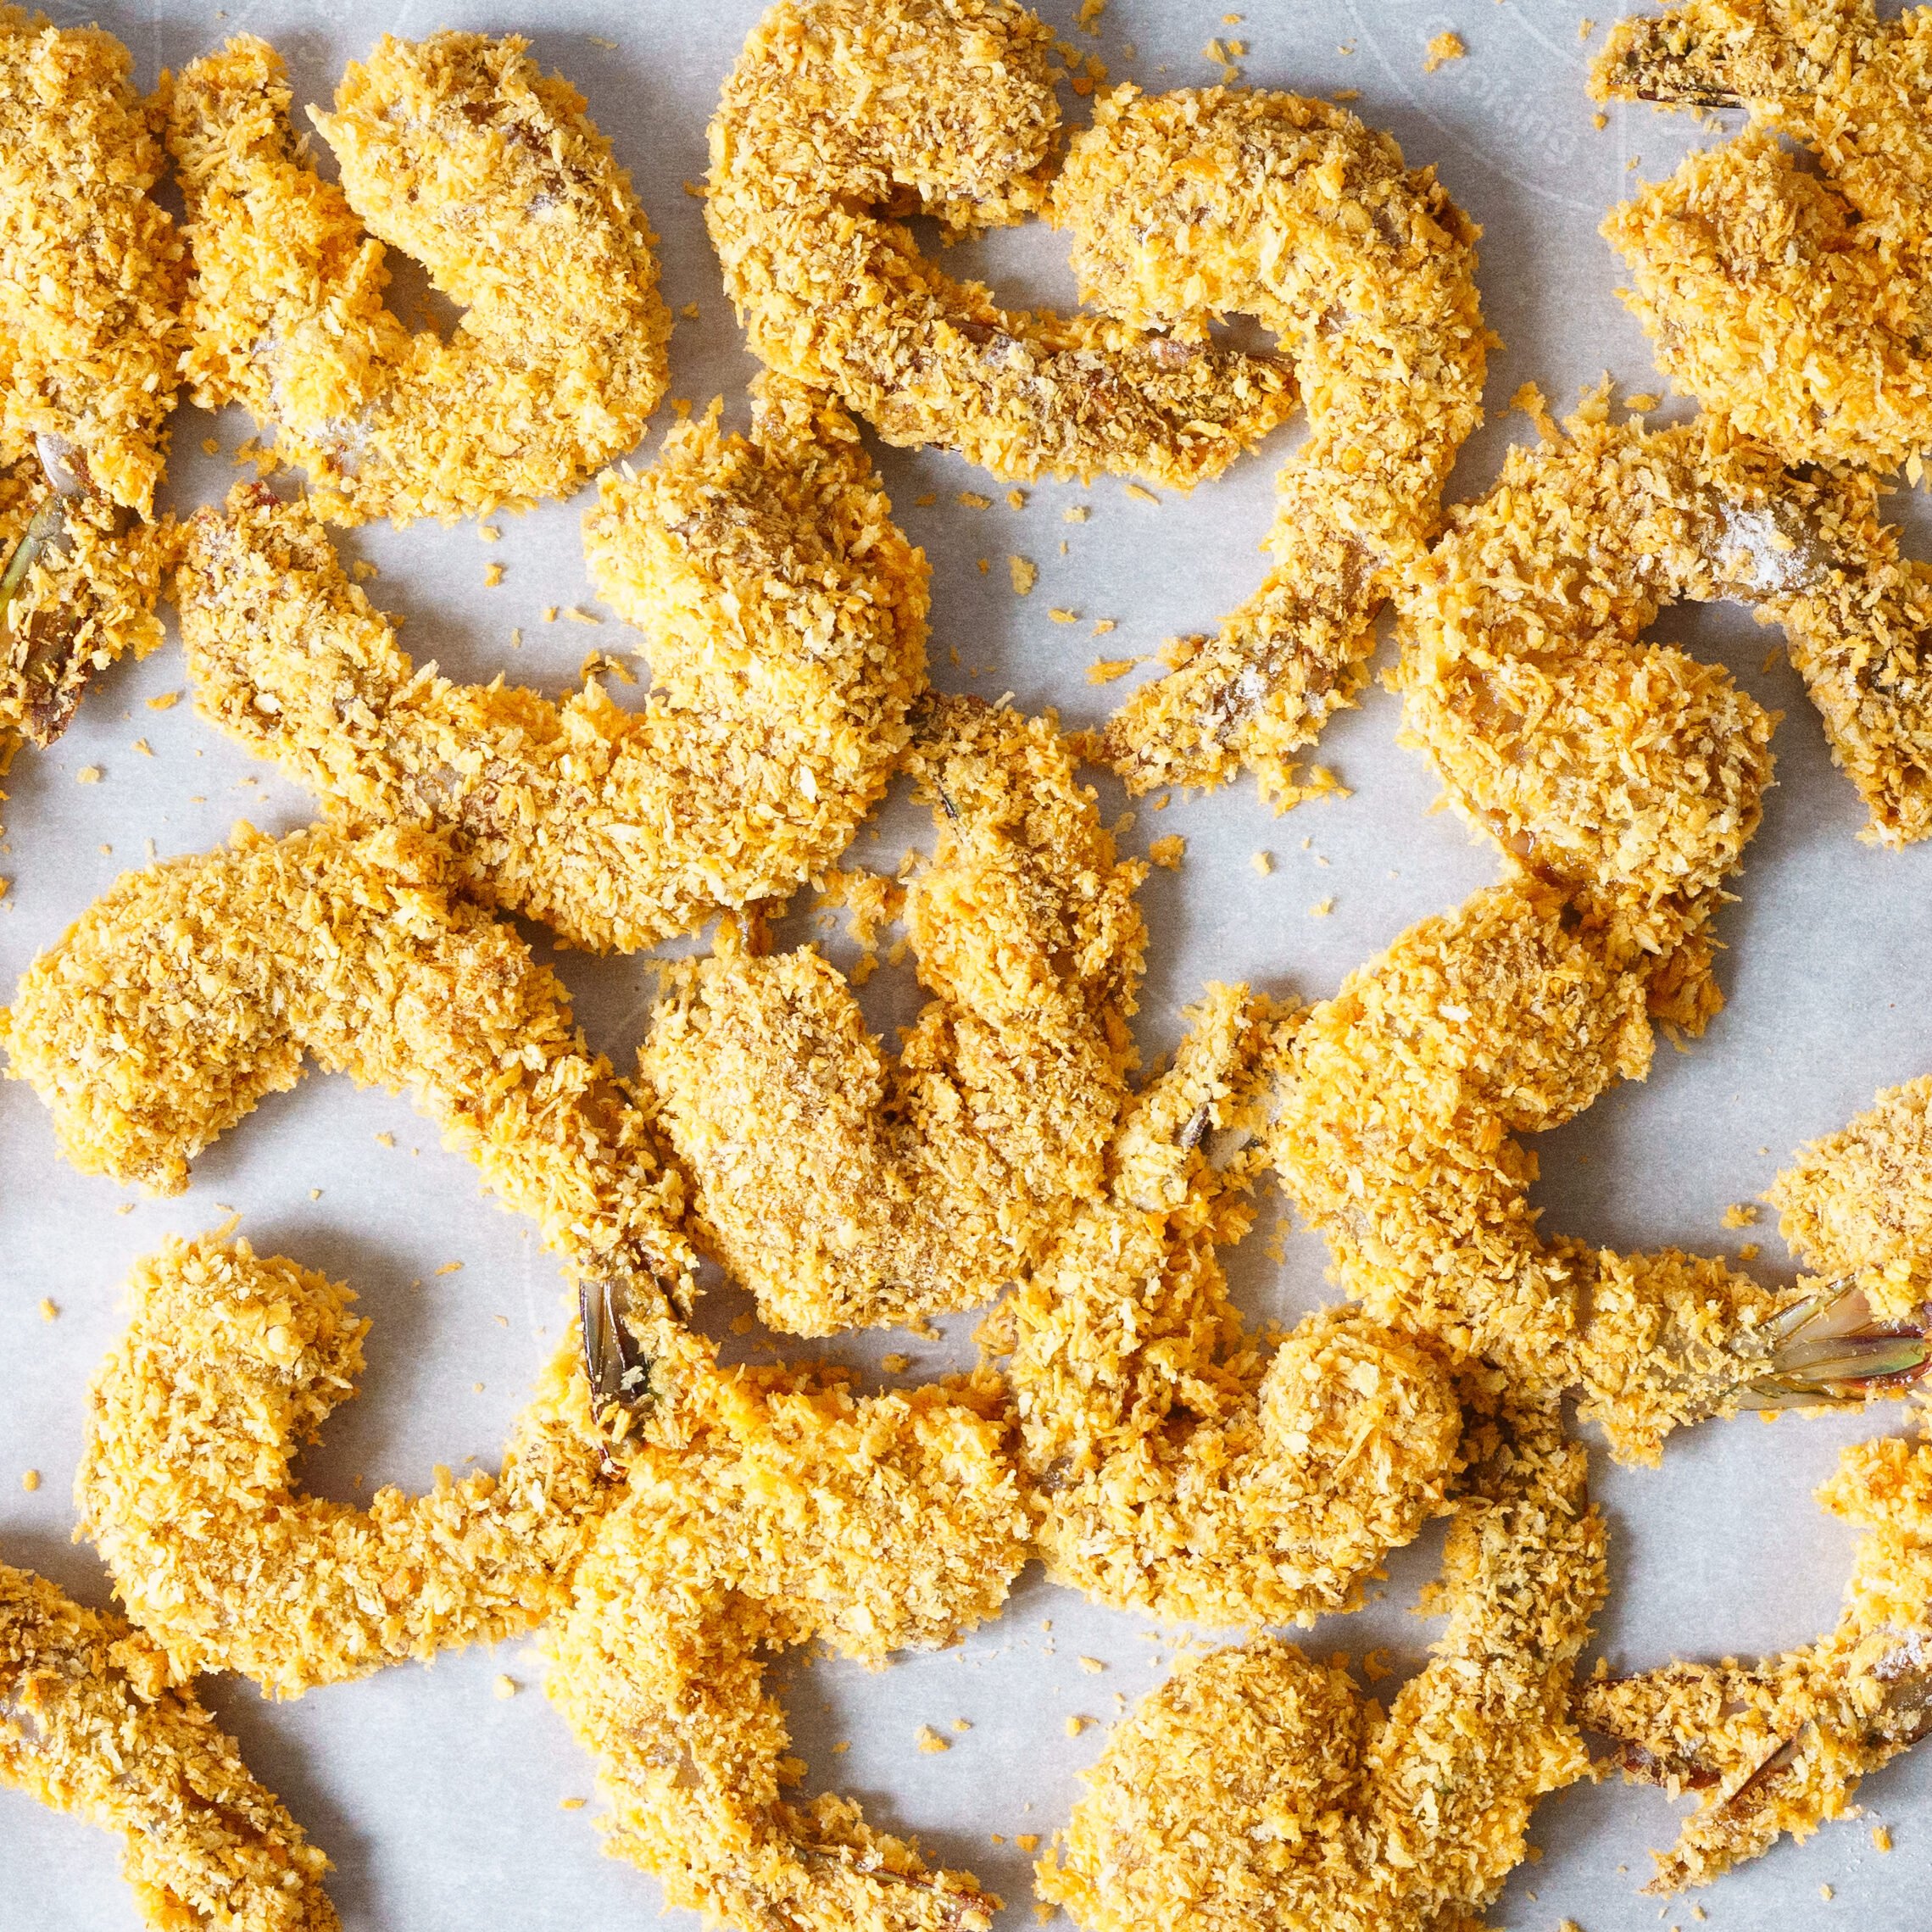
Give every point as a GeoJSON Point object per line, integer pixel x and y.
{"type": "Point", "coordinates": [1782, 1746]}
{"type": "Point", "coordinates": [845, 1189]}
{"type": "Point", "coordinates": [786, 616]}
{"type": "Point", "coordinates": [460, 151]}
{"type": "Point", "coordinates": [1257, 1787]}
{"type": "Point", "coordinates": [1794, 300]}
{"type": "Point", "coordinates": [844, 116]}
{"type": "Point", "coordinates": [231, 1362]}
{"type": "Point", "coordinates": [793, 1513]}
{"type": "Point", "coordinates": [1629, 771]}
{"type": "Point", "coordinates": [1190, 206]}
{"type": "Point", "coordinates": [91, 274]}
{"type": "Point", "coordinates": [191, 990]}
{"type": "Point", "coordinates": [90, 1723]}
{"type": "Point", "coordinates": [1181, 1468]}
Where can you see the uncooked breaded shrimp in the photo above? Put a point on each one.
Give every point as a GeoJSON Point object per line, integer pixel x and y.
{"type": "Point", "coordinates": [841, 117]}
{"type": "Point", "coordinates": [90, 1724]}
{"type": "Point", "coordinates": [1181, 1468]}
{"type": "Point", "coordinates": [231, 1361]}
{"type": "Point", "coordinates": [1794, 299]}
{"type": "Point", "coordinates": [460, 151]}
{"type": "Point", "coordinates": [1257, 1787]}
{"type": "Point", "coordinates": [792, 1512]}
{"type": "Point", "coordinates": [1187, 207]}
{"type": "Point", "coordinates": [787, 619]}
{"type": "Point", "coordinates": [845, 1189]}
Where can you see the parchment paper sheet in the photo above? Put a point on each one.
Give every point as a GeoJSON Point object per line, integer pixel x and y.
{"type": "Point", "coordinates": [439, 1803]}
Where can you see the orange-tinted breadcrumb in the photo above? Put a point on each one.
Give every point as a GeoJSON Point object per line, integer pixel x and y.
{"type": "Point", "coordinates": [843, 116]}
{"type": "Point", "coordinates": [845, 1189]}
{"type": "Point", "coordinates": [90, 1724]}
{"type": "Point", "coordinates": [460, 151]}
{"type": "Point", "coordinates": [231, 1362]}
{"type": "Point", "coordinates": [1189, 207]}
{"type": "Point", "coordinates": [1632, 771]}
{"type": "Point", "coordinates": [1183, 1467]}
{"type": "Point", "coordinates": [1788, 296]}
{"type": "Point", "coordinates": [786, 615]}
{"type": "Point", "coordinates": [1781, 1747]}
{"type": "Point", "coordinates": [1258, 1787]}
{"type": "Point", "coordinates": [790, 1512]}
{"type": "Point", "coordinates": [191, 990]}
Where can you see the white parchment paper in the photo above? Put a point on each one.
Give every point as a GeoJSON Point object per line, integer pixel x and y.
{"type": "Point", "coordinates": [440, 1803]}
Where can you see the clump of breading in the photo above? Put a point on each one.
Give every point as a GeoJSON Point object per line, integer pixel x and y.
{"type": "Point", "coordinates": [842, 116]}
{"type": "Point", "coordinates": [1183, 1468]}
{"type": "Point", "coordinates": [791, 1512]}
{"type": "Point", "coordinates": [90, 268]}
{"type": "Point", "coordinates": [191, 990]}
{"type": "Point", "coordinates": [1781, 1747]}
{"type": "Point", "coordinates": [1257, 1787]}
{"type": "Point", "coordinates": [1790, 297]}
{"type": "Point", "coordinates": [843, 1189]}
{"type": "Point", "coordinates": [786, 616]}
{"type": "Point", "coordinates": [231, 1362]}
{"type": "Point", "coordinates": [1630, 771]}
{"type": "Point", "coordinates": [1858, 1205]}
{"type": "Point", "coordinates": [90, 1724]}
{"type": "Point", "coordinates": [1189, 207]}
{"type": "Point", "coordinates": [460, 151]}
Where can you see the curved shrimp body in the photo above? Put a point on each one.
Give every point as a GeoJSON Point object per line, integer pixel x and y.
{"type": "Point", "coordinates": [1781, 1747]}
{"type": "Point", "coordinates": [90, 1724]}
{"type": "Point", "coordinates": [793, 1513]}
{"type": "Point", "coordinates": [460, 151]}
{"type": "Point", "coordinates": [1795, 302]}
{"type": "Point", "coordinates": [787, 619]}
{"type": "Point", "coordinates": [192, 989]}
{"type": "Point", "coordinates": [842, 115]}
{"type": "Point", "coordinates": [846, 1190]}
{"type": "Point", "coordinates": [230, 1362]}
{"type": "Point", "coordinates": [1257, 1787]}
{"type": "Point", "coordinates": [1187, 207]}
{"type": "Point", "coordinates": [1180, 1468]}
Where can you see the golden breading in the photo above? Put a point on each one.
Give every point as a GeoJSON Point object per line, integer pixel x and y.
{"type": "Point", "coordinates": [1181, 1468]}
{"type": "Point", "coordinates": [1187, 207]}
{"type": "Point", "coordinates": [1794, 299]}
{"type": "Point", "coordinates": [786, 616]}
{"type": "Point", "coordinates": [90, 1724]}
{"type": "Point", "coordinates": [1629, 771]}
{"type": "Point", "coordinates": [791, 1512]}
{"type": "Point", "coordinates": [191, 990]}
{"type": "Point", "coordinates": [843, 116]}
{"type": "Point", "coordinates": [460, 151]}
{"type": "Point", "coordinates": [1782, 1746]}
{"type": "Point", "coordinates": [845, 1189]}
{"type": "Point", "coordinates": [231, 1362]}
{"type": "Point", "coordinates": [1257, 1787]}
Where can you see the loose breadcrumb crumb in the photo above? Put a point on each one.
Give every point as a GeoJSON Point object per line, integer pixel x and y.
{"type": "Point", "coordinates": [1166, 853]}
{"type": "Point", "coordinates": [1443, 49]}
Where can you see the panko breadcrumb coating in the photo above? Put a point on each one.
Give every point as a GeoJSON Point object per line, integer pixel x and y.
{"type": "Point", "coordinates": [460, 151]}
{"type": "Point", "coordinates": [1187, 207]}
{"type": "Point", "coordinates": [90, 1724]}
{"type": "Point", "coordinates": [1781, 1747]}
{"type": "Point", "coordinates": [1182, 1466]}
{"type": "Point", "coordinates": [792, 1512]}
{"type": "Point", "coordinates": [844, 116]}
{"type": "Point", "coordinates": [231, 1362]}
{"type": "Point", "coordinates": [1793, 297]}
{"type": "Point", "coordinates": [91, 274]}
{"type": "Point", "coordinates": [1632, 771]}
{"type": "Point", "coordinates": [189, 991]}
{"type": "Point", "coordinates": [787, 619]}
{"type": "Point", "coordinates": [1258, 1787]}
{"type": "Point", "coordinates": [845, 1189]}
